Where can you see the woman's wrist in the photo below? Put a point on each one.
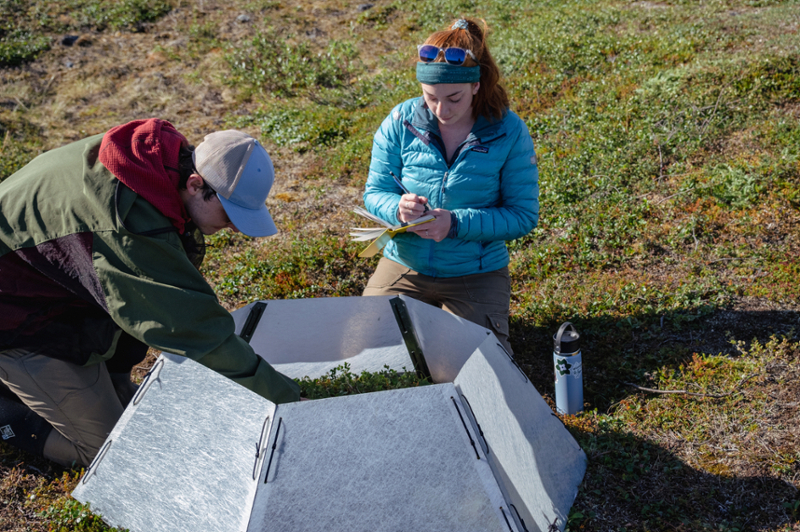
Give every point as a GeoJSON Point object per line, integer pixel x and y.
{"type": "Point", "coordinates": [453, 232]}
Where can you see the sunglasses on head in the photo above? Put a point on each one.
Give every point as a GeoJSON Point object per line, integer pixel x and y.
{"type": "Point", "coordinates": [452, 55]}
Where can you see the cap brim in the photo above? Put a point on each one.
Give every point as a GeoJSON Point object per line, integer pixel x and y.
{"type": "Point", "coordinates": [252, 222]}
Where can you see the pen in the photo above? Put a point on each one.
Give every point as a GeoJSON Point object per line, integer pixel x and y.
{"type": "Point", "coordinates": [399, 184]}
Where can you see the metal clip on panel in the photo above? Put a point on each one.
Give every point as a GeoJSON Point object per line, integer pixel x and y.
{"type": "Point", "coordinates": [480, 431]}
{"type": "Point", "coordinates": [506, 518]}
{"type": "Point", "coordinates": [99, 458]}
{"type": "Point", "coordinates": [261, 447]}
{"type": "Point", "coordinates": [469, 435]}
{"type": "Point", "coordinates": [250, 325]}
{"type": "Point", "coordinates": [148, 381]}
{"type": "Point", "coordinates": [524, 528]}
{"type": "Point", "coordinates": [274, 445]}
{"type": "Point", "coordinates": [410, 337]}
{"type": "Point", "coordinates": [513, 360]}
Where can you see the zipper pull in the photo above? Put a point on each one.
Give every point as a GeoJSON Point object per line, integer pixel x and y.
{"type": "Point", "coordinates": [444, 182]}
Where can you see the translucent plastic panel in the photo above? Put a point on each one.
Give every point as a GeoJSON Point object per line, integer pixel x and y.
{"type": "Point", "coordinates": [182, 458]}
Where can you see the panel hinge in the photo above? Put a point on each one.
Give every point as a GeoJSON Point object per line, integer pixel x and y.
{"type": "Point", "coordinates": [409, 337]}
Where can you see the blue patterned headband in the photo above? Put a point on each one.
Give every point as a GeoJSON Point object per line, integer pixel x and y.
{"type": "Point", "coordinates": [436, 73]}
{"type": "Point", "coordinates": [460, 24]}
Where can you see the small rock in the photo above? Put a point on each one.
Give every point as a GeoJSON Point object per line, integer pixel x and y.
{"type": "Point", "coordinates": [243, 18]}
{"type": "Point", "coordinates": [69, 64]}
{"type": "Point", "coordinates": [69, 40]}
{"type": "Point", "coordinates": [365, 7]}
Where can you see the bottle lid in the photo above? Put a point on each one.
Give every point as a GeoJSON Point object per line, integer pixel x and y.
{"type": "Point", "coordinates": [565, 341]}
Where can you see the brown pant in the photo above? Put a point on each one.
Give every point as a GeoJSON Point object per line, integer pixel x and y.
{"type": "Point", "coordinates": [482, 298]}
{"type": "Point", "coordinates": [80, 402]}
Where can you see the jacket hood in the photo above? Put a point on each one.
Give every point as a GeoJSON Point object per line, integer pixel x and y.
{"type": "Point", "coordinates": [143, 155]}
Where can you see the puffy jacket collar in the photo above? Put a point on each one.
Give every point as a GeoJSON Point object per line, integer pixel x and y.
{"type": "Point", "coordinates": [482, 131]}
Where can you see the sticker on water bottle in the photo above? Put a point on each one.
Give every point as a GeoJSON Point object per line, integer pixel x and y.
{"type": "Point", "coordinates": [577, 370]}
{"type": "Point", "coordinates": [563, 367]}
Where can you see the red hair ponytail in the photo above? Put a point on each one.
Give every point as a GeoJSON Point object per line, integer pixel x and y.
{"type": "Point", "coordinates": [491, 101]}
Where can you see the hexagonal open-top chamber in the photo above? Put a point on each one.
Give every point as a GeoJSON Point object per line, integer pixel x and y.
{"type": "Point", "coordinates": [479, 450]}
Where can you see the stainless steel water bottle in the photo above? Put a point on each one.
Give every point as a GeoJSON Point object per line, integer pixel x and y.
{"type": "Point", "coordinates": [568, 370]}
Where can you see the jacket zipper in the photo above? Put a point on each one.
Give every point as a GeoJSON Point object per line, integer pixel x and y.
{"type": "Point", "coordinates": [458, 158]}
{"type": "Point", "coordinates": [447, 173]}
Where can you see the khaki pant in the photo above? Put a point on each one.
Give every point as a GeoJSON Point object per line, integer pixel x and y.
{"type": "Point", "coordinates": [482, 298]}
{"type": "Point", "coordinates": [80, 402]}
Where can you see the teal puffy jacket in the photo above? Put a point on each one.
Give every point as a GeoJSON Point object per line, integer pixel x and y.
{"type": "Point", "coordinates": [492, 187]}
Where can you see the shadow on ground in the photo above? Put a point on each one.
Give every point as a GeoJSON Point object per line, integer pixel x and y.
{"type": "Point", "coordinates": [634, 482]}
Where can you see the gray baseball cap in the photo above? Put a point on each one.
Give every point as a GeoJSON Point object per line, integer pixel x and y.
{"type": "Point", "coordinates": [240, 171]}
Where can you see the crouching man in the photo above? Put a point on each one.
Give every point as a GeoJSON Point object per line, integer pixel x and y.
{"type": "Point", "coordinates": [100, 242]}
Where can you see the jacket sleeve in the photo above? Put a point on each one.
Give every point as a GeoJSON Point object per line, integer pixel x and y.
{"type": "Point", "coordinates": [518, 211]}
{"type": "Point", "coordinates": [381, 194]}
{"type": "Point", "coordinates": [154, 294]}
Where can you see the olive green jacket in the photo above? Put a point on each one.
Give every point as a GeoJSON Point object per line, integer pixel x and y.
{"type": "Point", "coordinates": [81, 251]}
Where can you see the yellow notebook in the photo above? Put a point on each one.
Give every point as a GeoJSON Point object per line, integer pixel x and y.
{"type": "Point", "coordinates": [380, 236]}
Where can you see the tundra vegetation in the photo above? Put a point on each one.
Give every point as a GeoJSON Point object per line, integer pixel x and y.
{"type": "Point", "coordinates": [668, 139]}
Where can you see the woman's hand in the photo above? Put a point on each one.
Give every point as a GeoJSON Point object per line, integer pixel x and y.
{"type": "Point", "coordinates": [411, 207]}
{"type": "Point", "coordinates": [435, 230]}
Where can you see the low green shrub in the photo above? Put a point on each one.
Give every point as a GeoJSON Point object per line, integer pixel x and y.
{"type": "Point", "coordinates": [67, 514]}
{"type": "Point", "coordinates": [20, 141]}
{"type": "Point", "coordinates": [20, 46]}
{"type": "Point", "coordinates": [27, 28]}
{"type": "Point", "coordinates": [341, 381]}
{"type": "Point", "coordinates": [270, 63]}
{"type": "Point", "coordinates": [127, 14]}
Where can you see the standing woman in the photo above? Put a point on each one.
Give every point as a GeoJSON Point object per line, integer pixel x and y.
{"type": "Point", "coordinates": [468, 160]}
